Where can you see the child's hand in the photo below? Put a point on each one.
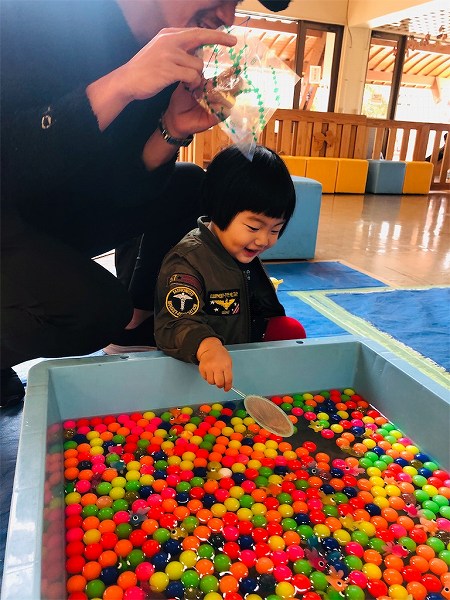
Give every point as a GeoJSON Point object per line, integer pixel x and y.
{"type": "Point", "coordinates": [215, 364]}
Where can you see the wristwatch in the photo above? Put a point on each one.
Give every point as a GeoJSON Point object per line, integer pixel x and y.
{"type": "Point", "coordinates": [173, 140]}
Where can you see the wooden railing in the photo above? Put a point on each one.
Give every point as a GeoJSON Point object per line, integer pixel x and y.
{"type": "Point", "coordinates": [307, 133]}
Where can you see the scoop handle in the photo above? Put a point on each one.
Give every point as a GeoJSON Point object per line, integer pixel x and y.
{"type": "Point", "coordinates": [239, 392]}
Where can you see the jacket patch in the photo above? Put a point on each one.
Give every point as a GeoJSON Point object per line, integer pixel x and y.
{"type": "Point", "coordinates": [226, 302]}
{"type": "Point", "coordinates": [185, 279]}
{"type": "Point", "coordinates": [182, 301]}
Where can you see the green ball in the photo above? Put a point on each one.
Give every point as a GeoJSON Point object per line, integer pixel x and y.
{"type": "Point", "coordinates": [90, 510]}
{"type": "Point", "coordinates": [259, 520]}
{"type": "Point", "coordinates": [222, 563]}
{"type": "Point", "coordinates": [166, 416]}
{"type": "Point", "coordinates": [161, 465]}
{"type": "Point", "coordinates": [428, 514]}
{"type": "Point", "coordinates": [445, 556]}
{"type": "Point", "coordinates": [330, 511]}
{"type": "Point", "coordinates": [432, 466]}
{"type": "Point", "coordinates": [305, 531]}
{"type": "Point", "coordinates": [135, 557]}
{"type": "Point", "coordinates": [105, 513]}
{"type": "Point", "coordinates": [261, 482]}
{"type": "Point", "coordinates": [435, 543]}
{"type": "Point", "coordinates": [69, 445]}
{"type": "Point", "coordinates": [301, 484]}
{"type": "Point", "coordinates": [190, 523]}
{"type": "Point", "coordinates": [289, 524]}
{"type": "Point", "coordinates": [377, 544]}
{"type": "Point", "coordinates": [408, 543]}
{"type": "Point", "coordinates": [379, 464]}
{"type": "Point", "coordinates": [119, 504]}
{"type": "Point", "coordinates": [286, 407]}
{"type": "Point", "coordinates": [421, 496]}
{"type": "Point", "coordinates": [284, 498]}
{"type": "Point", "coordinates": [123, 531]}
{"type": "Point", "coordinates": [265, 471]}
{"type": "Point", "coordinates": [143, 444]}
{"type": "Point", "coordinates": [133, 486]}
{"type": "Point", "coordinates": [444, 511]}
{"type": "Point", "coordinates": [119, 439]}
{"type": "Point", "coordinates": [161, 535]}
{"type": "Point", "coordinates": [183, 486]}
{"type": "Point", "coordinates": [440, 500]}
{"type": "Point", "coordinates": [372, 456]}
{"type": "Point", "coordinates": [332, 594]}
{"type": "Point", "coordinates": [419, 480]}
{"type": "Point", "coordinates": [246, 501]}
{"type": "Point", "coordinates": [303, 566]}
{"type": "Point", "coordinates": [195, 420]}
{"type": "Point", "coordinates": [209, 583]}
{"type": "Point", "coordinates": [95, 588]}
{"type": "Point", "coordinates": [431, 505]}
{"type": "Point", "coordinates": [103, 489]}
{"type": "Point", "coordinates": [205, 551]}
{"type": "Point", "coordinates": [354, 592]}
{"type": "Point", "coordinates": [197, 482]}
{"type": "Point", "coordinates": [190, 578]}
{"type": "Point", "coordinates": [340, 498]}
{"type": "Point", "coordinates": [365, 463]}
{"type": "Point", "coordinates": [354, 563]}
{"type": "Point", "coordinates": [361, 537]}
{"type": "Point", "coordinates": [318, 581]}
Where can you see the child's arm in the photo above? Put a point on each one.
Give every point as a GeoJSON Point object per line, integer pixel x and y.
{"type": "Point", "coordinates": [215, 364]}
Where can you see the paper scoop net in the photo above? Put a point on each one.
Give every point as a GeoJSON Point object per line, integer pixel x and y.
{"type": "Point", "coordinates": [267, 414]}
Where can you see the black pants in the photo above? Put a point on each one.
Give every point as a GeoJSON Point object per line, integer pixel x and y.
{"type": "Point", "coordinates": [56, 301]}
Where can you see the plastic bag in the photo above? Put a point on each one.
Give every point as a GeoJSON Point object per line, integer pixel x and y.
{"type": "Point", "coordinates": [242, 88]}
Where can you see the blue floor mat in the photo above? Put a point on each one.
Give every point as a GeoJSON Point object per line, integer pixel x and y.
{"type": "Point", "coordinates": [315, 324]}
{"type": "Point", "coordinates": [304, 276]}
{"type": "Point", "coordinates": [418, 318]}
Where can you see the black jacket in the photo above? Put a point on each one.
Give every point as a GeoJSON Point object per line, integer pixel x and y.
{"type": "Point", "coordinates": [56, 164]}
{"type": "Point", "coordinates": [202, 292]}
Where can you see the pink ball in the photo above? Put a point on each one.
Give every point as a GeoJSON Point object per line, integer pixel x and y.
{"type": "Point", "coordinates": [282, 573]}
{"type": "Point", "coordinates": [398, 530]}
{"type": "Point", "coordinates": [357, 578]}
{"type": "Point", "coordinates": [294, 552]}
{"type": "Point", "coordinates": [354, 548]}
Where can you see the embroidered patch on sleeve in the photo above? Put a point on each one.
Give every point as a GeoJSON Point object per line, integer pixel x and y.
{"type": "Point", "coordinates": [226, 302]}
{"type": "Point", "coordinates": [182, 301]}
{"type": "Point", "coordinates": [185, 279]}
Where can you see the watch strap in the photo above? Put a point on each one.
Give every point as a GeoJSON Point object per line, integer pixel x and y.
{"type": "Point", "coordinates": [173, 140]}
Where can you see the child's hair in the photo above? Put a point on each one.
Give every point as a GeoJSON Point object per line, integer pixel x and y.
{"type": "Point", "coordinates": [234, 184]}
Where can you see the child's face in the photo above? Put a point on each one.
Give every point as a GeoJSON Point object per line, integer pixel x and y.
{"type": "Point", "coordinates": [249, 234]}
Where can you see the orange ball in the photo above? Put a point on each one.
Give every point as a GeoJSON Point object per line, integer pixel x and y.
{"type": "Point", "coordinates": [379, 522]}
{"type": "Point", "coordinates": [438, 566]}
{"type": "Point", "coordinates": [333, 524]}
{"type": "Point", "coordinates": [108, 558]}
{"type": "Point", "coordinates": [392, 561]}
{"type": "Point", "coordinates": [107, 526]}
{"type": "Point", "coordinates": [239, 570]}
{"type": "Point", "coordinates": [419, 562]}
{"type": "Point", "coordinates": [396, 502]}
{"type": "Point", "coordinates": [190, 543]}
{"type": "Point", "coordinates": [372, 556]}
{"type": "Point", "coordinates": [204, 515]}
{"type": "Point", "coordinates": [228, 584]}
{"type": "Point", "coordinates": [406, 522]}
{"type": "Point", "coordinates": [392, 577]}
{"type": "Point", "coordinates": [91, 570]}
{"type": "Point", "coordinates": [76, 583]}
{"type": "Point", "coordinates": [127, 579]}
{"type": "Point", "coordinates": [417, 590]}
{"type": "Point", "coordinates": [215, 524]}
{"type": "Point", "coordinates": [204, 567]}
{"type": "Point", "coordinates": [123, 548]}
{"type": "Point", "coordinates": [194, 506]}
{"type": "Point", "coordinates": [390, 514]}
{"type": "Point", "coordinates": [149, 526]}
{"type": "Point", "coordinates": [425, 551]}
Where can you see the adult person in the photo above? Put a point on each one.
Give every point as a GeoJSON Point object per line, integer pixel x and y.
{"type": "Point", "coordinates": [92, 117]}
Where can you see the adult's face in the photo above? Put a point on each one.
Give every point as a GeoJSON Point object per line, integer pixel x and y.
{"type": "Point", "coordinates": [209, 14]}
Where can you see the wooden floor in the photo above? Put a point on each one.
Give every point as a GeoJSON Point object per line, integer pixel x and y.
{"type": "Point", "coordinates": [402, 240]}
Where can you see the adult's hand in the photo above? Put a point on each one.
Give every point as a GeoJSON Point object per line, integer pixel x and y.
{"type": "Point", "coordinates": [167, 58]}
{"type": "Point", "coordinates": [170, 57]}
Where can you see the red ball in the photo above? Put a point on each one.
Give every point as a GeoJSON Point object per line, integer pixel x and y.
{"type": "Point", "coordinates": [137, 537]}
{"type": "Point", "coordinates": [108, 540]}
{"type": "Point", "coordinates": [377, 587]}
{"type": "Point", "coordinates": [431, 582]}
{"type": "Point", "coordinates": [418, 535]}
{"type": "Point", "coordinates": [232, 549]}
{"type": "Point", "coordinates": [93, 551]}
{"type": "Point", "coordinates": [302, 583]}
{"type": "Point", "coordinates": [75, 564]}
{"type": "Point", "coordinates": [151, 547]}
{"type": "Point", "coordinates": [74, 548]}
{"type": "Point", "coordinates": [411, 573]}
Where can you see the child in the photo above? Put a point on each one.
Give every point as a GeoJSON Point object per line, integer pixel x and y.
{"type": "Point", "coordinates": [212, 288]}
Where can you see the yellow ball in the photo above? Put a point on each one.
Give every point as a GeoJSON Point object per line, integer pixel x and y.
{"type": "Point", "coordinates": [244, 514]}
{"type": "Point", "coordinates": [371, 571]}
{"type": "Point", "coordinates": [216, 406]}
{"type": "Point", "coordinates": [132, 476]}
{"type": "Point", "coordinates": [371, 471]}
{"type": "Point", "coordinates": [236, 491]}
{"type": "Point", "coordinates": [342, 536]}
{"type": "Point", "coordinates": [392, 490]}
{"type": "Point", "coordinates": [90, 435]}
{"type": "Point", "coordinates": [285, 590]}
{"type": "Point", "coordinates": [259, 508]}
{"type": "Point", "coordinates": [187, 410]}
{"type": "Point", "coordinates": [227, 431]}
{"type": "Point", "coordinates": [118, 482]}
{"type": "Point", "coordinates": [218, 510]}
{"type": "Point", "coordinates": [378, 491]}
{"type": "Point", "coordinates": [133, 465]}
{"type": "Point", "coordinates": [234, 444]}
{"type": "Point", "coordinates": [161, 433]}
{"type": "Point", "coordinates": [336, 428]}
{"type": "Point", "coordinates": [149, 415]}
{"type": "Point", "coordinates": [146, 480]}
{"type": "Point", "coordinates": [116, 493]}
{"type": "Point", "coordinates": [381, 502]}
{"type": "Point", "coordinates": [398, 592]}
{"type": "Point", "coordinates": [186, 465]}
{"type": "Point", "coordinates": [238, 468]}
{"type": "Point", "coordinates": [367, 527]}
{"type": "Point", "coordinates": [97, 450]}
{"type": "Point", "coordinates": [254, 464]}
{"type": "Point", "coordinates": [174, 460]}
{"type": "Point", "coordinates": [196, 439]}
{"type": "Point", "coordinates": [232, 504]}
{"type": "Point", "coordinates": [369, 443]}
{"type": "Point", "coordinates": [321, 531]}
{"type": "Point", "coordinates": [410, 470]}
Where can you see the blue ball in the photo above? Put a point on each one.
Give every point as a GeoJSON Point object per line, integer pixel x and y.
{"type": "Point", "coordinates": [379, 451]}
{"type": "Point", "coordinates": [208, 500]}
{"type": "Point", "coordinates": [160, 560]}
{"type": "Point", "coordinates": [349, 491]}
{"type": "Point", "coordinates": [302, 519]}
{"type": "Point", "coordinates": [248, 585]}
{"type": "Point", "coordinates": [327, 488]}
{"type": "Point", "coordinates": [172, 547]}
{"type": "Point", "coordinates": [109, 575]}
{"type": "Point", "coordinates": [175, 589]}
{"type": "Point", "coordinates": [335, 472]}
{"type": "Point", "coordinates": [329, 544]}
{"type": "Point", "coordinates": [373, 509]}
{"type": "Point", "coordinates": [401, 461]}
{"type": "Point", "coordinates": [246, 542]}
{"type": "Point", "coordinates": [422, 457]}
